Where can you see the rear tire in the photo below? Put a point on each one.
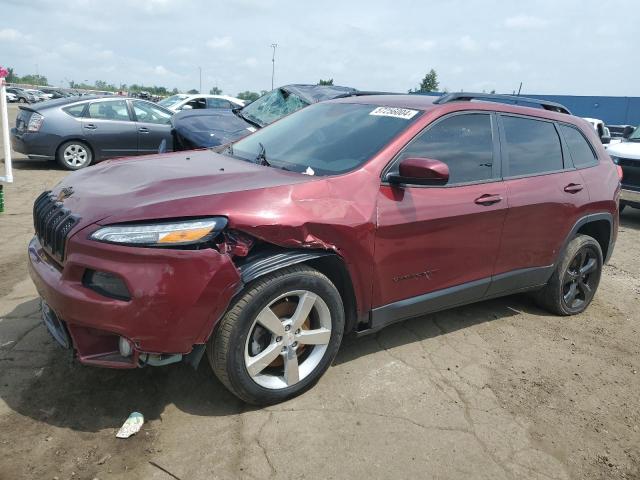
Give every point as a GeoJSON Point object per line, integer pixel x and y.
{"type": "Point", "coordinates": [279, 337]}
{"type": "Point", "coordinates": [74, 155]}
{"type": "Point", "coordinates": [575, 280]}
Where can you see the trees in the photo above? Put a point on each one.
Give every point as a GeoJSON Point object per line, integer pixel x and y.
{"type": "Point", "coordinates": [248, 96]}
{"type": "Point", "coordinates": [326, 82]}
{"type": "Point", "coordinates": [429, 83]}
{"type": "Point", "coordinates": [215, 91]}
{"type": "Point", "coordinates": [193, 91]}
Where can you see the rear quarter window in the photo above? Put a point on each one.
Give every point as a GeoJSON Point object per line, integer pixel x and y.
{"type": "Point", "coordinates": [75, 110]}
{"type": "Point", "coordinates": [532, 146]}
{"type": "Point", "coordinates": [581, 152]}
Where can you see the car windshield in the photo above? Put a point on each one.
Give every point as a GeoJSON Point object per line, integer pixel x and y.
{"type": "Point", "coordinates": [272, 106]}
{"type": "Point", "coordinates": [635, 136]}
{"type": "Point", "coordinates": [326, 138]}
{"type": "Point", "coordinates": [172, 100]}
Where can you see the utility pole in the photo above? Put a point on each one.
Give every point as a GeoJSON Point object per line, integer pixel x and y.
{"type": "Point", "coordinates": [37, 75]}
{"type": "Point", "coordinates": [200, 89]}
{"type": "Point", "coordinates": [273, 63]}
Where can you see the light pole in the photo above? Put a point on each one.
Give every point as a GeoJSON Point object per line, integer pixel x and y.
{"type": "Point", "coordinates": [273, 63]}
{"type": "Point", "coordinates": [200, 89]}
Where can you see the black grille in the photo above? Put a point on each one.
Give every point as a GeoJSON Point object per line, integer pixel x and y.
{"type": "Point", "coordinates": [52, 223]}
{"type": "Point", "coordinates": [630, 173]}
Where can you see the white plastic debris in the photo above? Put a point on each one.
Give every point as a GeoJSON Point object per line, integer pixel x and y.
{"type": "Point", "coordinates": [131, 426]}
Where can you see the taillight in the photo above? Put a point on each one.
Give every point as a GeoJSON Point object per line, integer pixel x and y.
{"type": "Point", "coordinates": [620, 173]}
{"type": "Point", "coordinates": [35, 122]}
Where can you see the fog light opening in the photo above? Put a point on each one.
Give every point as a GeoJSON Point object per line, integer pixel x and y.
{"type": "Point", "coordinates": [125, 347]}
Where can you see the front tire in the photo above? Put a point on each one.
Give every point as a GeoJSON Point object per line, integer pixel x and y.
{"type": "Point", "coordinates": [575, 280]}
{"type": "Point", "coordinates": [74, 155]}
{"type": "Point", "coordinates": [279, 337]}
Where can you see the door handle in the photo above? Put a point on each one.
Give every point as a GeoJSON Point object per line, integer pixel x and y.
{"type": "Point", "coordinates": [573, 188]}
{"type": "Point", "coordinates": [90, 126]}
{"type": "Point", "coordinates": [488, 199]}
{"type": "Point", "coordinates": [143, 130]}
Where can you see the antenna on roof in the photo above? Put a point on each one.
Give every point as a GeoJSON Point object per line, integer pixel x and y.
{"type": "Point", "coordinates": [519, 88]}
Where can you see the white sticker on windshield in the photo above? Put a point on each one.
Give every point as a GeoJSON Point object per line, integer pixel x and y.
{"type": "Point", "coordinates": [394, 112]}
{"type": "Point", "coordinates": [252, 129]}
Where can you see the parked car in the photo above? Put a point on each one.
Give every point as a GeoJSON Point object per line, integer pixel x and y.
{"type": "Point", "coordinates": [183, 101]}
{"type": "Point", "coordinates": [601, 130]}
{"type": "Point", "coordinates": [79, 131]}
{"type": "Point", "coordinates": [54, 92]}
{"type": "Point", "coordinates": [626, 154]}
{"type": "Point", "coordinates": [39, 96]}
{"type": "Point", "coordinates": [23, 95]}
{"type": "Point", "coordinates": [11, 97]}
{"type": "Point", "coordinates": [346, 216]}
{"type": "Point", "coordinates": [210, 128]}
{"type": "Point", "coordinates": [617, 131]}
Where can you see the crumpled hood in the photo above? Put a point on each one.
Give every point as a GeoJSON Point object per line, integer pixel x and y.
{"type": "Point", "coordinates": [167, 186]}
{"type": "Point", "coordinates": [625, 150]}
{"type": "Point", "coordinates": [209, 127]}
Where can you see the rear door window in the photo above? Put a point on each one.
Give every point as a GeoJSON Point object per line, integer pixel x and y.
{"type": "Point", "coordinates": [75, 110]}
{"type": "Point", "coordinates": [109, 110]}
{"type": "Point", "coordinates": [463, 142]}
{"type": "Point", "coordinates": [197, 103]}
{"type": "Point", "coordinates": [148, 113]}
{"type": "Point", "coordinates": [579, 148]}
{"type": "Point", "coordinates": [532, 146]}
{"type": "Point", "coordinates": [218, 103]}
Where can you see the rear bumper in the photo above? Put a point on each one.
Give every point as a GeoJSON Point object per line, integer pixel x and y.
{"type": "Point", "coordinates": [177, 297]}
{"type": "Point", "coordinates": [34, 144]}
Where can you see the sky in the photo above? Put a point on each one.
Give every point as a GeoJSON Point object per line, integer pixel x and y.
{"type": "Point", "coordinates": [574, 47]}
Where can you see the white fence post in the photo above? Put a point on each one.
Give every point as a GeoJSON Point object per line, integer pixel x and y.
{"type": "Point", "coordinates": [8, 172]}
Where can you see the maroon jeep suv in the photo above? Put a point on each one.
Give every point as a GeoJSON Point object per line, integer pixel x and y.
{"type": "Point", "coordinates": [343, 217]}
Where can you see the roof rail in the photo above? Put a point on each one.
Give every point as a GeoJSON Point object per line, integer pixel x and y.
{"type": "Point", "coordinates": [360, 93]}
{"type": "Point", "coordinates": [509, 99]}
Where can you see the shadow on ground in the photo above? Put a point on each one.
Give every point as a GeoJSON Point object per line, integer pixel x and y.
{"type": "Point", "coordinates": [28, 164]}
{"type": "Point", "coordinates": [67, 394]}
{"type": "Point", "coordinates": [630, 218]}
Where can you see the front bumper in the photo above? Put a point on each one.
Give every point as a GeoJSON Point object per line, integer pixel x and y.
{"type": "Point", "coordinates": [177, 297]}
{"type": "Point", "coordinates": [630, 196]}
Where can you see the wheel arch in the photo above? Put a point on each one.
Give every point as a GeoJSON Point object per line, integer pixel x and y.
{"type": "Point", "coordinates": [597, 225]}
{"type": "Point", "coordinates": [326, 262]}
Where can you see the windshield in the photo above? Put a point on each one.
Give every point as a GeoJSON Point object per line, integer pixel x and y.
{"type": "Point", "coordinates": [272, 106]}
{"type": "Point", "coordinates": [325, 138]}
{"type": "Point", "coordinates": [172, 100]}
{"type": "Point", "coordinates": [635, 136]}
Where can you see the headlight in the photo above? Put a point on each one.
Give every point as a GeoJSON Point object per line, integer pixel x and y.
{"type": "Point", "coordinates": [616, 160]}
{"type": "Point", "coordinates": [185, 232]}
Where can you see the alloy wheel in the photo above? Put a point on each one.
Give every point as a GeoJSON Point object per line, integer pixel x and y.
{"type": "Point", "coordinates": [287, 339]}
{"type": "Point", "coordinates": [75, 155]}
{"type": "Point", "coordinates": [580, 279]}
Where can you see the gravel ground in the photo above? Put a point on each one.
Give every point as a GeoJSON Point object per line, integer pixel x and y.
{"type": "Point", "coordinates": [494, 390]}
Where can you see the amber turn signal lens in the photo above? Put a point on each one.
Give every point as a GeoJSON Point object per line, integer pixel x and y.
{"type": "Point", "coordinates": [184, 235]}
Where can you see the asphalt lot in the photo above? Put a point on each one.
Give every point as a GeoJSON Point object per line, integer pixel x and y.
{"type": "Point", "coordinates": [496, 390]}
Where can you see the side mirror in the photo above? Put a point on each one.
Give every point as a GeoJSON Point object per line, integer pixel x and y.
{"type": "Point", "coordinates": [628, 130]}
{"type": "Point", "coordinates": [420, 171]}
{"type": "Point", "coordinates": [605, 139]}
{"type": "Point", "coordinates": [186, 107]}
